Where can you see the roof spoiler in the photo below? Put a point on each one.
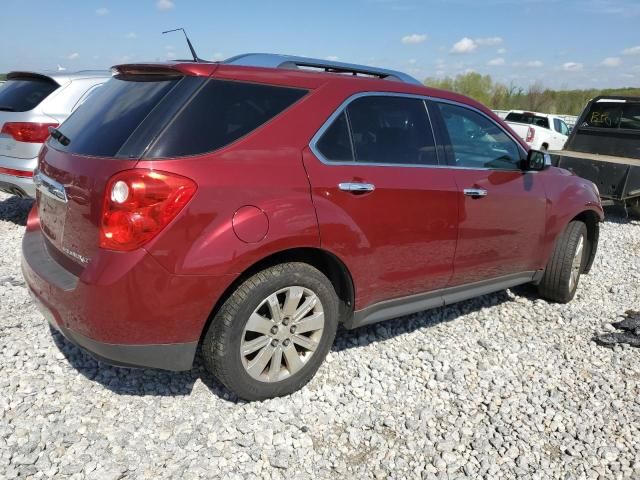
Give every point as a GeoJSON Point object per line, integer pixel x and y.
{"type": "Point", "coordinates": [23, 75]}
{"type": "Point", "coordinates": [160, 69]}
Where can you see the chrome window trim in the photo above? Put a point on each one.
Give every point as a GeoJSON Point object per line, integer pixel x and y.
{"type": "Point", "coordinates": [314, 140]}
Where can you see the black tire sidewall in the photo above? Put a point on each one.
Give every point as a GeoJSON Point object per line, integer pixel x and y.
{"type": "Point", "coordinates": [257, 289]}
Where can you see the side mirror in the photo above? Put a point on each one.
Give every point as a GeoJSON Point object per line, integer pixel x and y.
{"type": "Point", "coordinates": [536, 160]}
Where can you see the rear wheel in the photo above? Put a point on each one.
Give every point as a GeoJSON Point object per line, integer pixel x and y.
{"type": "Point", "coordinates": [273, 333]}
{"type": "Point", "coordinates": [562, 273]}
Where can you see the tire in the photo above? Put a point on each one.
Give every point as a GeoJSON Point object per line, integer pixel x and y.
{"type": "Point", "coordinates": [270, 296]}
{"type": "Point", "coordinates": [562, 273]}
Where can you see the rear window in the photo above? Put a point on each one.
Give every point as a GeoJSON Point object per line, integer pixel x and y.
{"type": "Point", "coordinates": [108, 117]}
{"type": "Point", "coordinates": [528, 118]}
{"type": "Point", "coordinates": [613, 115]}
{"type": "Point", "coordinates": [24, 94]}
{"type": "Point", "coordinates": [221, 113]}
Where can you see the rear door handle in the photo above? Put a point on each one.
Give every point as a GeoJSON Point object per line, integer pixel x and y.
{"type": "Point", "coordinates": [356, 187]}
{"type": "Point", "coordinates": [475, 192]}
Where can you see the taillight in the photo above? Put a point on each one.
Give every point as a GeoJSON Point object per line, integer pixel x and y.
{"type": "Point", "coordinates": [27, 131]}
{"type": "Point", "coordinates": [16, 173]}
{"type": "Point", "coordinates": [138, 204]}
{"type": "Point", "coordinates": [531, 132]}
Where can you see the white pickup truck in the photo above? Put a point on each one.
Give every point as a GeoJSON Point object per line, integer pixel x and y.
{"type": "Point", "coordinates": [540, 130]}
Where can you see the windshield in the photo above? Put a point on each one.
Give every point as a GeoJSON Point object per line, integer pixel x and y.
{"type": "Point", "coordinates": [613, 115]}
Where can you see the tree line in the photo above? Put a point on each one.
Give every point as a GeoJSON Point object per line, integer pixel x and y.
{"type": "Point", "coordinates": [499, 96]}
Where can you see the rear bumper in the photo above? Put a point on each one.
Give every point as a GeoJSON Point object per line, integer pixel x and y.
{"type": "Point", "coordinates": [127, 311]}
{"type": "Point", "coordinates": [176, 356]}
{"type": "Point", "coordinates": [21, 186]}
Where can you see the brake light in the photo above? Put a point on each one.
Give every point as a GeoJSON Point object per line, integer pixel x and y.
{"type": "Point", "coordinates": [28, 132]}
{"type": "Point", "coordinates": [531, 132]}
{"type": "Point", "coordinates": [16, 173]}
{"type": "Point", "coordinates": [138, 204]}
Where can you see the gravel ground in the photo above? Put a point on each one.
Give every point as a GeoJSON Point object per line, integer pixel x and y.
{"type": "Point", "coordinates": [502, 386]}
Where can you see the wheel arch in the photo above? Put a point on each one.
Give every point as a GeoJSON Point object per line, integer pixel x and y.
{"type": "Point", "coordinates": [592, 220]}
{"type": "Point", "coordinates": [329, 264]}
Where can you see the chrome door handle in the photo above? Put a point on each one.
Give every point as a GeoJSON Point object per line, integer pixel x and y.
{"type": "Point", "coordinates": [356, 187]}
{"type": "Point", "coordinates": [475, 192]}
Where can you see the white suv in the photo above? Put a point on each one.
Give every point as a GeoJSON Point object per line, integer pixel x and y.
{"type": "Point", "coordinates": [30, 103]}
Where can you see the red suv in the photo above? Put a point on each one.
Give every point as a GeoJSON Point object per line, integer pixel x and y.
{"type": "Point", "coordinates": [251, 206]}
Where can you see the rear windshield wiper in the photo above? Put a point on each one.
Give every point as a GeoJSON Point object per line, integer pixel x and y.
{"type": "Point", "coordinates": [4, 108]}
{"type": "Point", "coordinates": [59, 136]}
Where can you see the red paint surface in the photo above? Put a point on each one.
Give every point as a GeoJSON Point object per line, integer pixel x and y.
{"type": "Point", "coordinates": [416, 232]}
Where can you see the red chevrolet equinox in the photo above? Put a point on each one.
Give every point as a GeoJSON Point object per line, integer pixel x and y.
{"type": "Point", "coordinates": [251, 206]}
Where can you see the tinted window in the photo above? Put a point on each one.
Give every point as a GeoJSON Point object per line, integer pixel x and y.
{"type": "Point", "coordinates": [477, 142]}
{"type": "Point", "coordinates": [221, 113]}
{"type": "Point", "coordinates": [528, 118]}
{"type": "Point", "coordinates": [391, 130]}
{"type": "Point", "coordinates": [630, 119]}
{"type": "Point", "coordinates": [335, 144]}
{"type": "Point", "coordinates": [103, 123]}
{"type": "Point", "coordinates": [22, 95]}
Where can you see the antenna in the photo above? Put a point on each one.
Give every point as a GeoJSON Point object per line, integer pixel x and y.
{"type": "Point", "coordinates": [193, 52]}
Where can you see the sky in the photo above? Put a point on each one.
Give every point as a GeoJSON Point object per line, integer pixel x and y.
{"type": "Point", "coordinates": [560, 43]}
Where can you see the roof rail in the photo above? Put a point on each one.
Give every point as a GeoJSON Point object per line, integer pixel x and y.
{"type": "Point", "coordinates": [271, 60]}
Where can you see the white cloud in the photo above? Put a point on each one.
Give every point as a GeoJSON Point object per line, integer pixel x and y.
{"type": "Point", "coordinates": [502, 51]}
{"type": "Point", "coordinates": [529, 64]}
{"type": "Point", "coordinates": [632, 51]}
{"type": "Point", "coordinates": [489, 41]}
{"type": "Point", "coordinates": [464, 45]}
{"type": "Point", "coordinates": [131, 35]}
{"type": "Point", "coordinates": [572, 67]}
{"type": "Point", "coordinates": [414, 38]}
{"type": "Point", "coordinates": [496, 62]}
{"type": "Point", "coordinates": [218, 56]}
{"type": "Point", "coordinates": [611, 62]}
{"type": "Point", "coordinates": [102, 11]}
{"type": "Point", "coordinates": [165, 4]}
{"type": "Point", "coordinates": [73, 56]}
{"type": "Point", "coordinates": [332, 58]}
{"type": "Point", "coordinates": [412, 61]}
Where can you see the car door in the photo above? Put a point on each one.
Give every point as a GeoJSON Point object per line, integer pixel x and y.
{"type": "Point", "coordinates": [384, 205]}
{"type": "Point", "coordinates": [501, 218]}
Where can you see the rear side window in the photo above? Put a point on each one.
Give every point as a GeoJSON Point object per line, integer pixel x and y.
{"type": "Point", "coordinates": [220, 113]}
{"type": "Point", "coordinates": [528, 118]}
{"type": "Point", "coordinates": [24, 94]}
{"type": "Point", "coordinates": [107, 118]}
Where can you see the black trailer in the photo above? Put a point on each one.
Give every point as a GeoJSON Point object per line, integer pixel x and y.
{"type": "Point", "coordinates": [604, 147]}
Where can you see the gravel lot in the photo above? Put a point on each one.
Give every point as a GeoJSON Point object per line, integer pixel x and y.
{"type": "Point", "coordinates": [502, 386]}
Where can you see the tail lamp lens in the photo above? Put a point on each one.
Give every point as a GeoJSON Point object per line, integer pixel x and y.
{"type": "Point", "coordinates": [531, 132]}
{"type": "Point", "coordinates": [138, 204]}
{"type": "Point", "coordinates": [28, 132]}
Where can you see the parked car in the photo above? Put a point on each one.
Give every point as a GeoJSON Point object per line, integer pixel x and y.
{"type": "Point", "coordinates": [605, 148]}
{"type": "Point", "coordinates": [251, 206]}
{"type": "Point", "coordinates": [30, 103]}
{"type": "Point", "coordinates": [540, 131]}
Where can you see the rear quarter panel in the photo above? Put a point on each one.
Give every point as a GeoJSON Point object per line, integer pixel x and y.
{"type": "Point", "coordinates": [262, 170]}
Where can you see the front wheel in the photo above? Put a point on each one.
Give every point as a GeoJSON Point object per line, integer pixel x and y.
{"type": "Point", "coordinates": [633, 207]}
{"type": "Point", "coordinates": [272, 334]}
{"type": "Point", "coordinates": [562, 273]}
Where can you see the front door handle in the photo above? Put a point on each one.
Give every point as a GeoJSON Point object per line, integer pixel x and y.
{"type": "Point", "coordinates": [475, 192]}
{"type": "Point", "coordinates": [356, 187]}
